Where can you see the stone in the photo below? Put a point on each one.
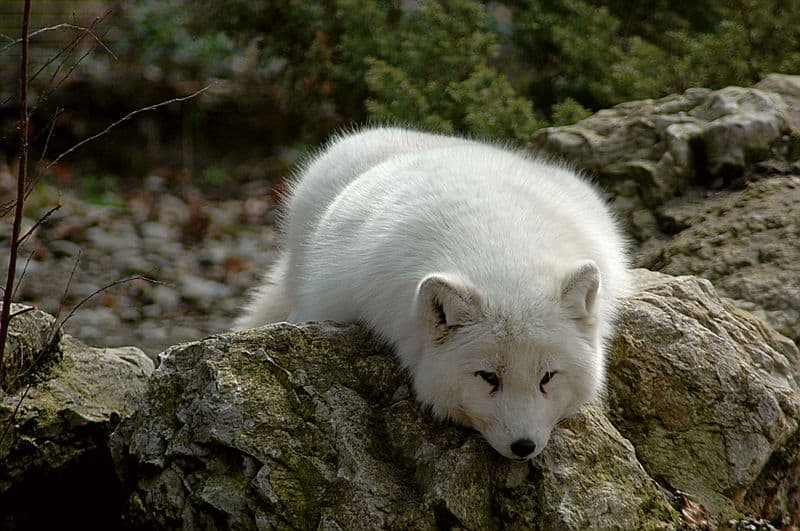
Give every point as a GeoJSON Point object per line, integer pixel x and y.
{"type": "Point", "coordinates": [709, 395]}
{"type": "Point", "coordinates": [203, 291]}
{"type": "Point", "coordinates": [747, 242]}
{"type": "Point", "coordinates": [314, 426]}
{"type": "Point", "coordinates": [30, 346]}
{"type": "Point", "coordinates": [54, 427]}
{"type": "Point", "coordinates": [646, 152]}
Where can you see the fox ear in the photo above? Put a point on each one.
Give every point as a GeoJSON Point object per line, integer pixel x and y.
{"type": "Point", "coordinates": [579, 289]}
{"type": "Point", "coordinates": [447, 301]}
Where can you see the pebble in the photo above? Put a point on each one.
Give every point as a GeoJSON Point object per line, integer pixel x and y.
{"type": "Point", "coordinates": [201, 287]}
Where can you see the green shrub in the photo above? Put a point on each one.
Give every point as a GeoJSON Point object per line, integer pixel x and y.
{"type": "Point", "coordinates": [486, 69]}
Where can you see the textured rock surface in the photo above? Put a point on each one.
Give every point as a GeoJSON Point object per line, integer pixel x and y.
{"type": "Point", "coordinates": [63, 415]}
{"type": "Point", "coordinates": [29, 346]}
{"type": "Point", "coordinates": [709, 396]}
{"type": "Point", "coordinates": [645, 152]}
{"type": "Point", "coordinates": [313, 427]}
{"type": "Point", "coordinates": [746, 242]}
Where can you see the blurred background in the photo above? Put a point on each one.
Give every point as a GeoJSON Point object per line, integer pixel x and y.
{"type": "Point", "coordinates": [186, 194]}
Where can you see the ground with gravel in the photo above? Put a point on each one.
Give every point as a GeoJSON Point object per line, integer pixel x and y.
{"type": "Point", "coordinates": [202, 255]}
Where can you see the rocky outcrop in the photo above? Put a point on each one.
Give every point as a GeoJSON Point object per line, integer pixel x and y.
{"type": "Point", "coordinates": [747, 242]}
{"type": "Point", "coordinates": [61, 402]}
{"type": "Point", "coordinates": [646, 152]}
{"type": "Point", "coordinates": [708, 395]}
{"type": "Point", "coordinates": [314, 426]}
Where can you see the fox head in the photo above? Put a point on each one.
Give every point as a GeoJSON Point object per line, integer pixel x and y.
{"type": "Point", "coordinates": [510, 363]}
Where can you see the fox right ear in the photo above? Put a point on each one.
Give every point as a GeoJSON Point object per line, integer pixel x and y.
{"type": "Point", "coordinates": [446, 302]}
{"type": "Point", "coordinates": [580, 288]}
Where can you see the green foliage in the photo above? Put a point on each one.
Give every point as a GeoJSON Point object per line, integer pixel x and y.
{"type": "Point", "coordinates": [100, 189]}
{"type": "Point", "coordinates": [160, 35]}
{"type": "Point", "coordinates": [486, 69]}
{"type": "Point", "coordinates": [569, 47]}
{"type": "Point", "coordinates": [216, 176]}
{"type": "Point", "coordinates": [569, 111]}
{"type": "Point", "coordinates": [455, 90]}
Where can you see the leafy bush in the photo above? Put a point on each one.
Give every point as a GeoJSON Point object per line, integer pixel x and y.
{"type": "Point", "coordinates": [487, 69]}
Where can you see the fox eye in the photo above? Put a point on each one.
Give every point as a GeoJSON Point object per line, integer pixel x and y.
{"type": "Point", "coordinates": [490, 378]}
{"type": "Point", "coordinates": [545, 380]}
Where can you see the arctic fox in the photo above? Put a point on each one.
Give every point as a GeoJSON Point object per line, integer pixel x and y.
{"type": "Point", "coordinates": [494, 275]}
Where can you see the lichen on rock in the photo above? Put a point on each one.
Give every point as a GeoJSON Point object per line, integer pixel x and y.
{"type": "Point", "coordinates": [706, 392]}
{"type": "Point", "coordinates": [54, 425]}
{"type": "Point", "coordinates": [314, 426]}
{"type": "Point", "coordinates": [747, 242]}
{"type": "Point", "coordinates": [647, 152]}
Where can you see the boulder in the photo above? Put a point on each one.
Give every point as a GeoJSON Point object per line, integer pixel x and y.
{"type": "Point", "coordinates": [61, 401]}
{"type": "Point", "coordinates": [646, 152]}
{"type": "Point", "coordinates": [709, 396]}
{"type": "Point", "coordinates": [313, 426]}
{"type": "Point", "coordinates": [747, 242]}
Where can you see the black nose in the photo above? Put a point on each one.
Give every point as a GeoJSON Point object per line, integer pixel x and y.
{"type": "Point", "coordinates": [523, 447]}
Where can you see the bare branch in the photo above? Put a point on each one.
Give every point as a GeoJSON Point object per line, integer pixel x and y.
{"type": "Point", "coordinates": [104, 288]}
{"type": "Point", "coordinates": [56, 325]}
{"type": "Point", "coordinates": [126, 118]}
{"type": "Point", "coordinates": [68, 49]}
{"type": "Point", "coordinates": [21, 177]}
{"type": "Point", "coordinates": [63, 25]}
{"type": "Point", "coordinates": [39, 222]}
{"type": "Point", "coordinates": [23, 310]}
{"type": "Point", "coordinates": [19, 280]}
{"type": "Point", "coordinates": [10, 422]}
{"type": "Point", "coordinates": [47, 93]}
{"type": "Point", "coordinates": [69, 284]}
{"type": "Point", "coordinates": [58, 112]}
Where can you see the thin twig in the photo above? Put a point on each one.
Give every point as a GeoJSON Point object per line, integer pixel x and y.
{"type": "Point", "coordinates": [46, 94]}
{"type": "Point", "coordinates": [21, 176]}
{"type": "Point", "coordinates": [39, 222]}
{"type": "Point", "coordinates": [63, 25]}
{"type": "Point", "coordinates": [126, 118]}
{"type": "Point", "coordinates": [65, 293]}
{"type": "Point", "coordinates": [104, 288]}
{"type": "Point", "coordinates": [10, 422]}
{"type": "Point", "coordinates": [58, 112]}
{"type": "Point", "coordinates": [26, 309]}
{"type": "Point", "coordinates": [68, 48]}
{"type": "Point", "coordinates": [54, 327]}
{"type": "Point", "coordinates": [19, 280]}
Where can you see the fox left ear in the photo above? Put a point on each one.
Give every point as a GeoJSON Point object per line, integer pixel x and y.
{"type": "Point", "coordinates": [579, 289]}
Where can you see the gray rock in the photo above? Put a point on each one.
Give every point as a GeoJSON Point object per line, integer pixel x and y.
{"type": "Point", "coordinates": [646, 152]}
{"type": "Point", "coordinates": [66, 412]}
{"type": "Point", "coordinates": [64, 248]}
{"type": "Point", "coordinates": [709, 396]}
{"type": "Point", "coordinates": [203, 291]}
{"type": "Point", "coordinates": [166, 298]}
{"type": "Point", "coordinates": [30, 342]}
{"type": "Point", "coordinates": [313, 426]}
{"type": "Point", "coordinates": [154, 232]}
{"type": "Point", "coordinates": [94, 322]}
{"type": "Point", "coordinates": [746, 242]}
{"type": "Point", "coordinates": [111, 240]}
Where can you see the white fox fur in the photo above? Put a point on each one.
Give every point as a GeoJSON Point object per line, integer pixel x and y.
{"type": "Point", "coordinates": [493, 274]}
